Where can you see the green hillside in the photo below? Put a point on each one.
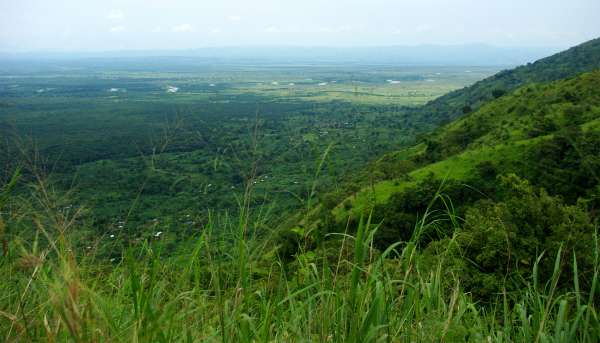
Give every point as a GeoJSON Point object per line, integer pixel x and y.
{"type": "Point", "coordinates": [504, 132]}
{"type": "Point", "coordinates": [465, 102]}
{"type": "Point", "coordinates": [539, 145]}
{"type": "Point", "coordinates": [569, 63]}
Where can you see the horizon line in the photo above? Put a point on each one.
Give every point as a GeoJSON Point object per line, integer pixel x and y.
{"type": "Point", "coordinates": [286, 46]}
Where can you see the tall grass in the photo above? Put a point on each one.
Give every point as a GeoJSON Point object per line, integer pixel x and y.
{"type": "Point", "coordinates": [224, 285]}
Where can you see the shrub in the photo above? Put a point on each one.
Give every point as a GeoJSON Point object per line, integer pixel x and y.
{"type": "Point", "coordinates": [496, 93]}
{"type": "Point", "coordinates": [504, 239]}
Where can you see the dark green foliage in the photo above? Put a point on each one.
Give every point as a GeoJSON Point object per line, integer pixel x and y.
{"type": "Point", "coordinates": [568, 164]}
{"type": "Point", "coordinates": [487, 170]}
{"type": "Point", "coordinates": [288, 244]}
{"type": "Point", "coordinates": [501, 241]}
{"type": "Point", "coordinates": [496, 93]}
{"type": "Point", "coordinates": [399, 215]}
{"type": "Point", "coordinates": [542, 126]}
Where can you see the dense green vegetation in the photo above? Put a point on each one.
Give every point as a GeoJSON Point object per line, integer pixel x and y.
{"type": "Point", "coordinates": [232, 288]}
{"type": "Point", "coordinates": [131, 151]}
{"type": "Point", "coordinates": [579, 59]}
{"type": "Point", "coordinates": [306, 218]}
{"type": "Point", "coordinates": [542, 133]}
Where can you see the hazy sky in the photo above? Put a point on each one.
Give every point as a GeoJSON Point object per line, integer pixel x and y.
{"type": "Point", "coordinates": [86, 25]}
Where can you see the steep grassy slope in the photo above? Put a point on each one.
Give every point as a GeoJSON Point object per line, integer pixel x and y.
{"type": "Point", "coordinates": [530, 111]}
{"type": "Point", "coordinates": [504, 131]}
{"type": "Point", "coordinates": [467, 101]}
{"type": "Point", "coordinates": [569, 63]}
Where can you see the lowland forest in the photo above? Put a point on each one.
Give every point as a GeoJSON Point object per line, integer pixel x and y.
{"type": "Point", "coordinates": [176, 199]}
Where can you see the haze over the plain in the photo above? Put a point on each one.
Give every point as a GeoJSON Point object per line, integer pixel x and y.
{"type": "Point", "coordinates": [73, 25]}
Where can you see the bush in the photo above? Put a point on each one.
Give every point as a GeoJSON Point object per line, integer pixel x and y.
{"type": "Point", "coordinates": [504, 239]}
{"type": "Point", "coordinates": [399, 215]}
{"type": "Point", "coordinates": [496, 93]}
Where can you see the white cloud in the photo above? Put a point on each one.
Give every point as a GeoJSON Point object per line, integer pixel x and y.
{"type": "Point", "coordinates": [215, 31]}
{"type": "Point", "coordinates": [157, 29]}
{"type": "Point", "coordinates": [273, 29]}
{"type": "Point", "coordinates": [115, 15]}
{"type": "Point", "coordinates": [118, 28]}
{"type": "Point", "coordinates": [234, 18]}
{"type": "Point", "coordinates": [182, 28]}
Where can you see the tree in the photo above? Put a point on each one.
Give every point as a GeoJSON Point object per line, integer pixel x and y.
{"type": "Point", "coordinates": [497, 93]}
{"type": "Point", "coordinates": [503, 240]}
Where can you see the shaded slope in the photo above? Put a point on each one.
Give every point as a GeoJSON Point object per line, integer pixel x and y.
{"type": "Point", "coordinates": [569, 63]}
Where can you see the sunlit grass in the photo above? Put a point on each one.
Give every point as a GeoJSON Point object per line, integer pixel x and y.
{"type": "Point", "coordinates": [226, 285]}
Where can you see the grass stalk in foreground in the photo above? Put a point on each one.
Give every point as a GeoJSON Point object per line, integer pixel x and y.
{"type": "Point", "coordinates": [56, 290]}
